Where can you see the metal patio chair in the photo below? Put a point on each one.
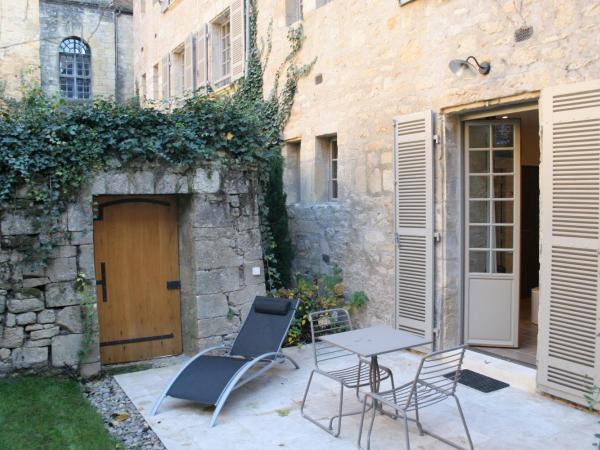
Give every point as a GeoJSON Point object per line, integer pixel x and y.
{"type": "Point", "coordinates": [210, 379]}
{"type": "Point", "coordinates": [435, 381]}
{"type": "Point", "coordinates": [326, 322]}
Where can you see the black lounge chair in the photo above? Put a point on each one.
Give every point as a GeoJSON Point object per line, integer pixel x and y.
{"type": "Point", "coordinates": [210, 379]}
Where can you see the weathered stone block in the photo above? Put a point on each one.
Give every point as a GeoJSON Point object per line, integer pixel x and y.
{"type": "Point", "coordinates": [219, 280]}
{"type": "Point", "coordinates": [46, 316]}
{"type": "Point", "coordinates": [38, 343]}
{"type": "Point", "coordinates": [26, 318]}
{"type": "Point", "coordinates": [89, 370]}
{"type": "Point", "coordinates": [44, 334]}
{"type": "Point", "coordinates": [4, 353]}
{"type": "Point", "coordinates": [245, 295]}
{"type": "Point", "coordinates": [79, 216]}
{"type": "Point", "coordinates": [98, 184]}
{"type": "Point", "coordinates": [65, 350]}
{"type": "Point", "coordinates": [61, 294]}
{"type": "Point", "coordinates": [10, 320]}
{"type": "Point", "coordinates": [216, 254]}
{"type": "Point", "coordinates": [34, 327]}
{"type": "Point", "coordinates": [214, 305]}
{"type": "Point", "coordinates": [64, 251]}
{"type": "Point", "coordinates": [142, 182]}
{"type": "Point", "coordinates": [117, 183]}
{"type": "Point", "coordinates": [18, 306]}
{"type": "Point", "coordinates": [2, 304]}
{"type": "Point", "coordinates": [29, 357]}
{"type": "Point", "coordinates": [14, 224]}
{"type": "Point", "coordinates": [70, 319]}
{"type": "Point", "coordinates": [206, 182]}
{"type": "Point", "coordinates": [62, 269]}
{"type": "Point", "coordinates": [249, 277]}
{"type": "Point", "coordinates": [11, 337]}
{"type": "Point", "coordinates": [35, 282]}
{"type": "Point", "coordinates": [211, 214]}
{"type": "Point", "coordinates": [82, 237]}
{"type": "Point", "coordinates": [86, 260]}
{"type": "Point", "coordinates": [218, 326]}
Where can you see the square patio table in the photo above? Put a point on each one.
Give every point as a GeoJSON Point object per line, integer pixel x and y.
{"type": "Point", "coordinates": [373, 341]}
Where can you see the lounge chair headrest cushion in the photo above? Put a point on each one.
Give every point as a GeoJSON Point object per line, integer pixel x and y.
{"type": "Point", "coordinates": [268, 306]}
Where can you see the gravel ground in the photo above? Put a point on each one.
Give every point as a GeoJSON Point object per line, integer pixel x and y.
{"type": "Point", "coordinates": [120, 415]}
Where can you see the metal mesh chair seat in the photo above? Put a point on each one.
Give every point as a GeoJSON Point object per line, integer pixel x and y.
{"type": "Point", "coordinates": [355, 376]}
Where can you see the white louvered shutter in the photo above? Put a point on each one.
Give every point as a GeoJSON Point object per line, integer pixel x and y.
{"type": "Point", "coordinates": [413, 142]}
{"type": "Point", "coordinates": [189, 75]}
{"type": "Point", "coordinates": [236, 16]}
{"type": "Point", "coordinates": [568, 347]}
{"type": "Point", "coordinates": [165, 77]}
{"type": "Point", "coordinates": [201, 75]}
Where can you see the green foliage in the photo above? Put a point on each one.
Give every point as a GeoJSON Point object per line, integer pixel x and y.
{"type": "Point", "coordinates": [49, 413]}
{"type": "Point", "coordinates": [89, 316]}
{"type": "Point", "coordinates": [317, 293]}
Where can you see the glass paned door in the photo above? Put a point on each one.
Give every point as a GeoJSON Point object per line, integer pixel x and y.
{"type": "Point", "coordinates": [492, 232]}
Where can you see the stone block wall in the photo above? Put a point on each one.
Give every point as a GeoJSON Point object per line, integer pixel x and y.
{"type": "Point", "coordinates": [41, 322]}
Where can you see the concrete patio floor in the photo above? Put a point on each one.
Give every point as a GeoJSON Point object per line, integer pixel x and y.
{"type": "Point", "coordinates": [265, 414]}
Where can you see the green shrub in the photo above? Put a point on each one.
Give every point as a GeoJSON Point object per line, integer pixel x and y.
{"type": "Point", "coordinates": [317, 293]}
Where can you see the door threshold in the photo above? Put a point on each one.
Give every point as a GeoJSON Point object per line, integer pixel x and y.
{"type": "Point", "coordinates": [483, 350]}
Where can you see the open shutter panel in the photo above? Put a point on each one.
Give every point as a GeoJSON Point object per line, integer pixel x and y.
{"type": "Point", "coordinates": [189, 72]}
{"type": "Point", "coordinates": [237, 39]}
{"type": "Point", "coordinates": [413, 142]}
{"type": "Point", "coordinates": [568, 347]}
{"type": "Point", "coordinates": [165, 78]}
{"type": "Point", "coordinates": [201, 75]}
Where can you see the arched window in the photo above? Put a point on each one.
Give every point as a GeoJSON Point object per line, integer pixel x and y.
{"type": "Point", "coordinates": [75, 69]}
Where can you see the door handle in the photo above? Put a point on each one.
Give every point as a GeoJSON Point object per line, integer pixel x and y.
{"type": "Point", "coordinates": [102, 281]}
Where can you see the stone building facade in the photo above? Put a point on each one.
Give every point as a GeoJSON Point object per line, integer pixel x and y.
{"type": "Point", "coordinates": [42, 324]}
{"type": "Point", "coordinates": [32, 34]}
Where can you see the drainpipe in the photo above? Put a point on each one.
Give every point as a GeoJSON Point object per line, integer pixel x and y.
{"type": "Point", "coordinates": [116, 13]}
{"type": "Point", "coordinates": [247, 33]}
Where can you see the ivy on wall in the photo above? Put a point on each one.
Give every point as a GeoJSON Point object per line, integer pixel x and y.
{"type": "Point", "coordinates": [49, 148]}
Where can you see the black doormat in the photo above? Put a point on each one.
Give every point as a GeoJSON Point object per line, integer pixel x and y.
{"type": "Point", "coordinates": [478, 381]}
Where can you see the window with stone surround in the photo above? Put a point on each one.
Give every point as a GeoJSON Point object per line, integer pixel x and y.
{"type": "Point", "coordinates": [291, 172]}
{"type": "Point", "coordinates": [326, 168]}
{"type": "Point", "coordinates": [293, 11]}
{"type": "Point", "coordinates": [143, 87]}
{"type": "Point", "coordinates": [220, 35]}
{"type": "Point", "coordinates": [333, 169]}
{"type": "Point", "coordinates": [155, 83]}
{"type": "Point", "coordinates": [177, 71]}
{"type": "Point", "coordinates": [75, 69]}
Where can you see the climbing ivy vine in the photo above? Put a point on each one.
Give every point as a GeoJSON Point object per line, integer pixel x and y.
{"type": "Point", "coordinates": [49, 148]}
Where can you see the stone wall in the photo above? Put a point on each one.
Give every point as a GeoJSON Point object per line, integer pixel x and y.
{"type": "Point", "coordinates": [108, 32]}
{"type": "Point", "coordinates": [377, 60]}
{"type": "Point", "coordinates": [41, 325]}
{"type": "Point", "coordinates": [19, 45]}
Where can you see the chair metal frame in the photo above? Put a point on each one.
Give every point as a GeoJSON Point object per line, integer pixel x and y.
{"type": "Point", "coordinates": [353, 377]}
{"type": "Point", "coordinates": [237, 380]}
{"type": "Point", "coordinates": [430, 386]}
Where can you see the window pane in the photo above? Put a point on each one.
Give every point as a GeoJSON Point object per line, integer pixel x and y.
{"type": "Point", "coordinates": [67, 87]}
{"type": "Point", "coordinates": [479, 237]}
{"type": "Point", "coordinates": [334, 149]}
{"type": "Point", "coordinates": [333, 170]}
{"type": "Point", "coordinates": [503, 212]}
{"type": "Point", "coordinates": [479, 161]}
{"type": "Point", "coordinates": [66, 64]}
{"type": "Point", "coordinates": [503, 262]}
{"type": "Point", "coordinates": [503, 135]}
{"type": "Point", "coordinates": [479, 186]}
{"type": "Point", "coordinates": [479, 211]}
{"type": "Point", "coordinates": [503, 161]}
{"type": "Point", "coordinates": [334, 189]}
{"type": "Point", "coordinates": [503, 237]}
{"type": "Point", "coordinates": [83, 88]}
{"type": "Point", "coordinates": [503, 186]}
{"type": "Point", "coordinates": [478, 261]}
{"type": "Point", "coordinates": [479, 136]}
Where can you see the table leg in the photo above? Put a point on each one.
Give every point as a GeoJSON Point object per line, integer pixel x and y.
{"type": "Point", "coordinates": [374, 375]}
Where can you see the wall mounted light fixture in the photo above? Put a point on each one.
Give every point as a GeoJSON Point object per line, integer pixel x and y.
{"type": "Point", "coordinates": [463, 68]}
